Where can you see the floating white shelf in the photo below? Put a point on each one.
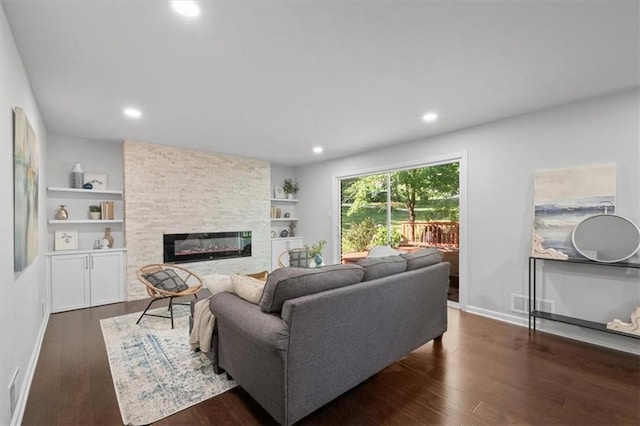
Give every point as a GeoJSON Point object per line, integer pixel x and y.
{"type": "Point", "coordinates": [64, 252]}
{"type": "Point", "coordinates": [76, 221]}
{"type": "Point", "coordinates": [84, 191]}
{"type": "Point", "coordinates": [282, 219]}
{"type": "Point", "coordinates": [284, 200]}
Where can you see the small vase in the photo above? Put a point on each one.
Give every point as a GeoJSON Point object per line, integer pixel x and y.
{"type": "Point", "coordinates": [76, 177]}
{"type": "Point", "coordinates": [318, 260]}
{"type": "Point", "coordinates": [289, 196]}
{"type": "Point", "coordinates": [108, 237]}
{"type": "Point", "coordinates": [61, 213]}
{"type": "Point", "coordinates": [94, 215]}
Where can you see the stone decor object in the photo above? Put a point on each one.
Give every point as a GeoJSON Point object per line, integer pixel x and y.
{"type": "Point", "coordinates": [632, 327]}
{"type": "Point", "coordinates": [108, 237]}
{"type": "Point", "coordinates": [538, 250]}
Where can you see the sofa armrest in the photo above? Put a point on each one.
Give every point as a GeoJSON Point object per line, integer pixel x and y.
{"type": "Point", "coordinates": [247, 319]}
{"type": "Point", "coordinates": [253, 348]}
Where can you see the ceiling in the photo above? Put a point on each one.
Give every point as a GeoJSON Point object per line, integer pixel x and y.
{"type": "Point", "coordinates": [270, 80]}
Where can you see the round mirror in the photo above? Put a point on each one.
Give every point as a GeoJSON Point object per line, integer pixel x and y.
{"type": "Point", "coordinates": [606, 238]}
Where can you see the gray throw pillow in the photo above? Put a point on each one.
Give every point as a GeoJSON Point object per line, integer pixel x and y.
{"type": "Point", "coordinates": [288, 283]}
{"type": "Point", "coordinates": [378, 267]}
{"type": "Point", "coordinates": [167, 280]}
{"type": "Point", "coordinates": [422, 258]}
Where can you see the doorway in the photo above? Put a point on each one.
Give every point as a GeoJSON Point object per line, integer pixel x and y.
{"type": "Point", "coordinates": [407, 208]}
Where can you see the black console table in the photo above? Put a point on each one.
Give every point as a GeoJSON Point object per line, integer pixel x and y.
{"type": "Point", "coordinates": [533, 314]}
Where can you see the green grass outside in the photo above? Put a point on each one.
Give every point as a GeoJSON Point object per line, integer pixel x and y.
{"type": "Point", "coordinates": [434, 210]}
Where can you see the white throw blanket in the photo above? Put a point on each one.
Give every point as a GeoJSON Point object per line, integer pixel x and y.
{"type": "Point", "coordinates": [202, 331]}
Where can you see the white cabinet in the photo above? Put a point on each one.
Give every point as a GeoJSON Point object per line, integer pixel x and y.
{"type": "Point", "coordinates": [84, 279]}
{"type": "Point", "coordinates": [279, 246]}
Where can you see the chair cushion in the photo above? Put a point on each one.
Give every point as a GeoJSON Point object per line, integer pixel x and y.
{"type": "Point", "coordinates": [289, 283]}
{"type": "Point", "coordinates": [422, 258]}
{"type": "Point", "coordinates": [378, 267]}
{"type": "Point", "coordinates": [248, 288]}
{"type": "Point", "coordinates": [167, 280]}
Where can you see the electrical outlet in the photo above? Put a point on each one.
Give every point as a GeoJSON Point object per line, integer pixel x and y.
{"type": "Point", "coordinates": [13, 395]}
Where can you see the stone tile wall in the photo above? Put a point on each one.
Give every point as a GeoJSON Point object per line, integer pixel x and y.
{"type": "Point", "coordinates": [173, 190]}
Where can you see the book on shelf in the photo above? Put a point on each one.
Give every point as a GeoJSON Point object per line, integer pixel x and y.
{"type": "Point", "coordinates": [107, 210]}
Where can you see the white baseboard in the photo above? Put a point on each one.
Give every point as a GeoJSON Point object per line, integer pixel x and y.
{"type": "Point", "coordinates": [523, 321]}
{"type": "Point", "coordinates": [21, 404]}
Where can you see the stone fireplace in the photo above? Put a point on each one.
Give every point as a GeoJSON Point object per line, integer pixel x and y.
{"type": "Point", "coordinates": [172, 190]}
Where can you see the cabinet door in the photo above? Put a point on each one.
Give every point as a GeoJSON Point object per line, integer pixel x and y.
{"type": "Point", "coordinates": [107, 278]}
{"type": "Point", "coordinates": [277, 248]}
{"type": "Point", "coordinates": [69, 282]}
{"type": "Point", "coordinates": [296, 243]}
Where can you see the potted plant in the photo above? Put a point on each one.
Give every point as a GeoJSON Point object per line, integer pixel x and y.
{"type": "Point", "coordinates": [315, 252]}
{"type": "Point", "coordinates": [290, 187]}
{"type": "Point", "coordinates": [94, 212]}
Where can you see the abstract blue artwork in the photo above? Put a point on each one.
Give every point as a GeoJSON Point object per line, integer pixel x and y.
{"type": "Point", "coordinates": [562, 199]}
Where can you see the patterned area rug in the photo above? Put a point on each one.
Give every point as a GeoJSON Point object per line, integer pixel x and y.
{"type": "Point", "coordinates": [155, 372]}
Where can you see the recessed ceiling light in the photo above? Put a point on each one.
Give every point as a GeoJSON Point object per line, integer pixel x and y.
{"type": "Point", "coordinates": [186, 8]}
{"type": "Point", "coordinates": [318, 149]}
{"type": "Point", "coordinates": [132, 112]}
{"type": "Point", "coordinates": [430, 117]}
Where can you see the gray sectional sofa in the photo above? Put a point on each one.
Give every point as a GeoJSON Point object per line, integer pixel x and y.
{"type": "Point", "coordinates": [316, 333]}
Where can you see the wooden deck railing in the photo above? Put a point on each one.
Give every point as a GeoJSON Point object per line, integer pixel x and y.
{"type": "Point", "coordinates": [438, 234]}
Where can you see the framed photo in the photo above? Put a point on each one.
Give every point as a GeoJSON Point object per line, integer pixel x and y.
{"type": "Point", "coordinates": [278, 192]}
{"type": "Point", "coordinates": [65, 240]}
{"type": "Point", "coordinates": [98, 181]}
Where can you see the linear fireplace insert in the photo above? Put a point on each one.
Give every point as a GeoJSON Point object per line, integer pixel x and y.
{"type": "Point", "coordinates": [201, 246]}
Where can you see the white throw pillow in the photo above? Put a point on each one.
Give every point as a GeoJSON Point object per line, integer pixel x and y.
{"type": "Point", "coordinates": [217, 283]}
{"type": "Point", "coordinates": [382, 251]}
{"type": "Point", "coordinates": [249, 288]}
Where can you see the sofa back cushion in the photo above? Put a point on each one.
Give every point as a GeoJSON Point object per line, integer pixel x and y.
{"type": "Point", "coordinates": [378, 267]}
{"type": "Point", "coordinates": [422, 258]}
{"type": "Point", "coordinates": [288, 283]}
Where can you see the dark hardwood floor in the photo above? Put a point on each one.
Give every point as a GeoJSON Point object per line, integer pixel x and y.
{"type": "Point", "coordinates": [484, 372]}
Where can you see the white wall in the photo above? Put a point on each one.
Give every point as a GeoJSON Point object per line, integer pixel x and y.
{"type": "Point", "coordinates": [502, 158]}
{"type": "Point", "coordinates": [21, 295]}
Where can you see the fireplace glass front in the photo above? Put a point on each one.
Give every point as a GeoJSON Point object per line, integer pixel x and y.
{"type": "Point", "coordinates": [202, 246]}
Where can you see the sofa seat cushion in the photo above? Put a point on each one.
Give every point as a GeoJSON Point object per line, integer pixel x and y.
{"type": "Point", "coordinates": [422, 258]}
{"type": "Point", "coordinates": [288, 283]}
{"type": "Point", "coordinates": [378, 267]}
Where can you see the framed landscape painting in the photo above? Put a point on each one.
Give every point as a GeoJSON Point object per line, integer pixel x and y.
{"type": "Point", "coordinates": [25, 192]}
{"type": "Point", "coordinates": [562, 199]}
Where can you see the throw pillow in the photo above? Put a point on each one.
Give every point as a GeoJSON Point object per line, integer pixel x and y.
{"type": "Point", "coordinates": [288, 283]}
{"type": "Point", "coordinates": [218, 283]}
{"type": "Point", "coordinates": [248, 288]}
{"type": "Point", "coordinates": [167, 280]}
{"type": "Point", "coordinates": [378, 267]}
{"type": "Point", "coordinates": [422, 258]}
{"type": "Point", "coordinates": [382, 251]}
{"type": "Point", "coordinates": [262, 275]}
